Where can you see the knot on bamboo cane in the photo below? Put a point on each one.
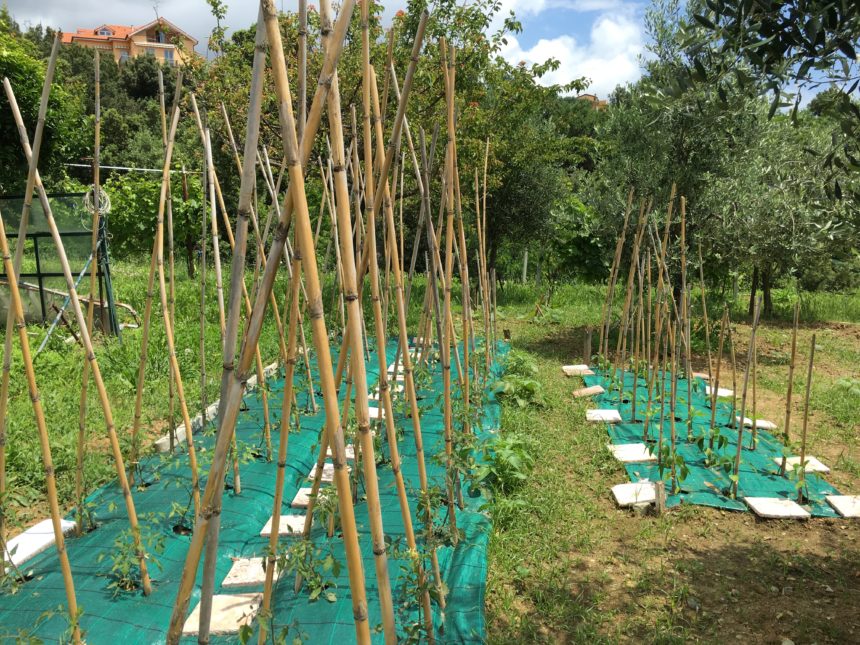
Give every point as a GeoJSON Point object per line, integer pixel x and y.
{"type": "Point", "coordinates": [35, 397]}
{"type": "Point", "coordinates": [360, 612]}
{"type": "Point", "coordinates": [378, 552]}
{"type": "Point", "coordinates": [2, 438]}
{"type": "Point", "coordinates": [349, 297]}
{"type": "Point", "coordinates": [338, 167]}
{"type": "Point", "coordinates": [19, 325]}
{"type": "Point", "coordinates": [364, 428]}
{"type": "Point", "coordinates": [207, 512]}
{"type": "Point", "coordinates": [281, 234]}
{"type": "Point", "coordinates": [315, 308]}
{"type": "Point", "coordinates": [325, 82]}
{"type": "Point", "coordinates": [49, 470]}
{"type": "Point", "coordinates": [282, 464]}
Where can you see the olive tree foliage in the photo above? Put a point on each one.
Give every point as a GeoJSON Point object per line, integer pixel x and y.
{"type": "Point", "coordinates": [754, 201]}
{"type": "Point", "coordinates": [791, 49]}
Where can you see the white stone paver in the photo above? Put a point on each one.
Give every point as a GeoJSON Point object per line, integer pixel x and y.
{"type": "Point", "coordinates": [776, 508]}
{"type": "Point", "coordinates": [34, 540]}
{"type": "Point", "coordinates": [288, 525]}
{"type": "Point", "coordinates": [845, 505]}
{"type": "Point", "coordinates": [631, 453]}
{"type": "Point", "coordinates": [229, 613]}
{"type": "Point", "coordinates": [633, 493]}
{"type": "Point", "coordinates": [594, 390]}
{"type": "Point", "coordinates": [602, 416]}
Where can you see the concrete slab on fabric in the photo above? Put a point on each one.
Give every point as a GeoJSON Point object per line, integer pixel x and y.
{"type": "Point", "coordinates": [576, 370]}
{"type": "Point", "coordinates": [631, 453]}
{"type": "Point", "coordinates": [776, 508]}
{"type": "Point", "coordinates": [634, 493]}
{"type": "Point", "coordinates": [302, 498]}
{"type": "Point", "coordinates": [845, 505]}
{"type": "Point", "coordinates": [602, 416]}
{"type": "Point", "coordinates": [594, 390]}
{"type": "Point", "coordinates": [812, 464]}
{"type": "Point", "coordinates": [229, 613]}
{"type": "Point", "coordinates": [34, 540]}
{"type": "Point", "coordinates": [288, 525]}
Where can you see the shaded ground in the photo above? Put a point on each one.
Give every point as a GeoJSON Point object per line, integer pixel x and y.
{"type": "Point", "coordinates": [571, 567]}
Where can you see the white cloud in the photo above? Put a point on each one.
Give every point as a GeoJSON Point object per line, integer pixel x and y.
{"type": "Point", "coordinates": [608, 59]}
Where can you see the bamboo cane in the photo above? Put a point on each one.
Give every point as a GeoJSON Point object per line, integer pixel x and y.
{"type": "Point", "coordinates": [350, 288]}
{"type": "Point", "coordinates": [786, 433]}
{"type": "Point", "coordinates": [637, 342]}
{"type": "Point", "coordinates": [286, 402]}
{"type": "Point", "coordinates": [231, 333]}
{"type": "Point", "coordinates": [304, 239]}
{"type": "Point", "coordinates": [740, 421]}
{"type": "Point", "coordinates": [203, 400]}
{"type": "Point", "coordinates": [754, 434]}
{"type": "Point", "coordinates": [673, 407]}
{"type": "Point", "coordinates": [400, 305]}
{"type": "Point", "coordinates": [802, 472]}
{"type": "Point", "coordinates": [628, 292]}
{"type": "Point", "coordinates": [484, 235]}
{"type": "Point", "coordinates": [705, 310]}
{"type": "Point", "coordinates": [94, 250]}
{"type": "Point", "coordinates": [733, 419]}
{"type": "Point", "coordinates": [19, 254]}
{"type": "Point", "coordinates": [236, 378]}
{"type": "Point", "coordinates": [715, 383]}
{"type": "Point", "coordinates": [262, 256]}
{"type": "Point", "coordinates": [448, 285]}
{"type": "Point", "coordinates": [165, 306]}
{"type": "Point", "coordinates": [662, 249]}
{"type": "Point", "coordinates": [661, 369]}
{"type": "Point", "coordinates": [613, 275]}
{"type": "Point", "coordinates": [685, 318]}
{"type": "Point", "coordinates": [302, 57]}
{"type": "Point", "coordinates": [85, 338]}
{"type": "Point", "coordinates": [42, 428]}
{"type": "Point", "coordinates": [171, 403]}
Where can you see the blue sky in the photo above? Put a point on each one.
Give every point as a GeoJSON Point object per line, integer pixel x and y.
{"type": "Point", "coordinates": [598, 39]}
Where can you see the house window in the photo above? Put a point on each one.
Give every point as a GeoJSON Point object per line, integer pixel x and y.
{"type": "Point", "coordinates": [105, 32]}
{"type": "Point", "coordinates": [150, 51]}
{"type": "Point", "coordinates": [160, 37]}
{"type": "Point", "coordinates": [123, 56]}
{"type": "Point", "coordinates": [168, 57]}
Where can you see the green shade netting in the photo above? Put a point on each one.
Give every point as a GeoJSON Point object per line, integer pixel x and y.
{"type": "Point", "coordinates": [163, 481]}
{"type": "Point", "coordinates": [705, 485]}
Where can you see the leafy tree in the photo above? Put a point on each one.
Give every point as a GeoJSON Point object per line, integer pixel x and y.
{"type": "Point", "coordinates": [63, 139]}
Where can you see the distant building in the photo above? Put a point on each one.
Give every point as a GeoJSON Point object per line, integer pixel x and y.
{"type": "Point", "coordinates": [159, 38]}
{"type": "Point", "coordinates": [596, 103]}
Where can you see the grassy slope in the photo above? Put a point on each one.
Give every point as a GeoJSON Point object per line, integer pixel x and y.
{"type": "Point", "coordinates": [570, 567]}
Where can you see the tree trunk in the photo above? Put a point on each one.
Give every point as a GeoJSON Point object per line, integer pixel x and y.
{"type": "Point", "coordinates": [766, 284]}
{"type": "Point", "coordinates": [493, 251]}
{"type": "Point", "coordinates": [525, 265]}
{"type": "Point", "coordinates": [538, 268]}
{"type": "Point", "coordinates": [753, 290]}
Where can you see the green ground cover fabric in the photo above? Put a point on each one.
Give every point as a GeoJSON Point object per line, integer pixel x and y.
{"type": "Point", "coordinates": [129, 617]}
{"type": "Point", "coordinates": [759, 474]}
